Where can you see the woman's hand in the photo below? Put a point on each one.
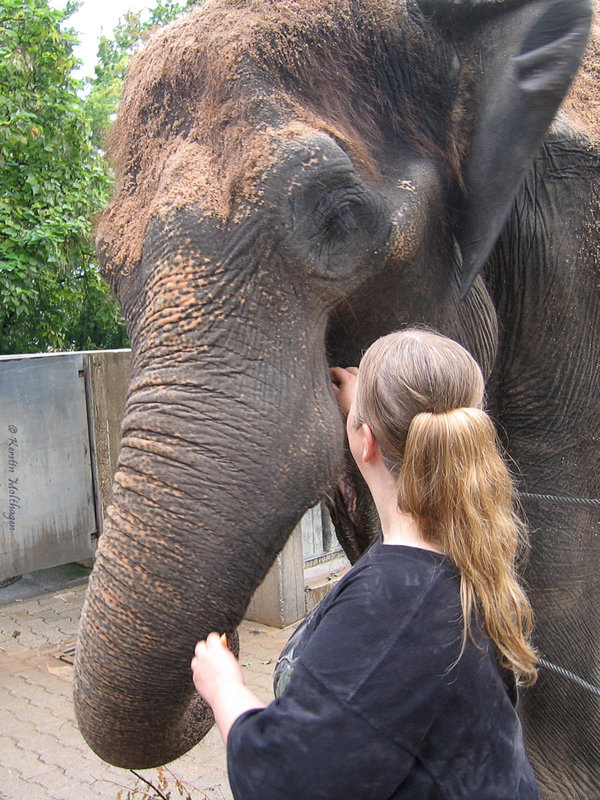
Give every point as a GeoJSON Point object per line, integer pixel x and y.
{"type": "Point", "coordinates": [213, 667]}
{"type": "Point", "coordinates": [219, 681]}
{"type": "Point", "coordinates": [343, 380]}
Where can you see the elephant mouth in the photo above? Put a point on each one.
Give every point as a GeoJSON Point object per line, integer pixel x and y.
{"type": "Point", "coordinates": [348, 493]}
{"type": "Point", "coordinates": [352, 511]}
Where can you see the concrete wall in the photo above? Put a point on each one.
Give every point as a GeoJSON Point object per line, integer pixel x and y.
{"type": "Point", "coordinates": [47, 505]}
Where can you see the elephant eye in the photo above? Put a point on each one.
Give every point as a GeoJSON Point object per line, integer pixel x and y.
{"type": "Point", "coordinates": [335, 225]}
{"type": "Point", "coordinates": [338, 215]}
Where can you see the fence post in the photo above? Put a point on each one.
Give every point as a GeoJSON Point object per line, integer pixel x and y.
{"type": "Point", "coordinates": [280, 599]}
{"type": "Point", "coordinates": [108, 380]}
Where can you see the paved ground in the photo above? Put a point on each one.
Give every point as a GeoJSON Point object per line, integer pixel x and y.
{"type": "Point", "coordinates": [42, 754]}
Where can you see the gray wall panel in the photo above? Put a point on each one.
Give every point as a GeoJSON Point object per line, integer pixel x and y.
{"type": "Point", "coordinates": [46, 495]}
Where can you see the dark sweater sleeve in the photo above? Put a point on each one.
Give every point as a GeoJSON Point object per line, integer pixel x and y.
{"type": "Point", "coordinates": [309, 744]}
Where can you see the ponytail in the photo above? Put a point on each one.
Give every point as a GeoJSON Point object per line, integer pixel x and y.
{"type": "Point", "coordinates": [454, 481]}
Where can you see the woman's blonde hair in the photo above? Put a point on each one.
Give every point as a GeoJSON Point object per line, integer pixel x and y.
{"type": "Point", "coordinates": [422, 395]}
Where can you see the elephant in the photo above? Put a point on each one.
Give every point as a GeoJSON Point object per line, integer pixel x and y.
{"type": "Point", "coordinates": [295, 178]}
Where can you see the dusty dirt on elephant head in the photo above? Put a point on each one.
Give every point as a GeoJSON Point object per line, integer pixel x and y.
{"type": "Point", "coordinates": [582, 104]}
{"type": "Point", "coordinates": [213, 96]}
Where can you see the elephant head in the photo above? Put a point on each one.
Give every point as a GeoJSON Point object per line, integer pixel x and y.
{"type": "Point", "coordinates": [294, 179]}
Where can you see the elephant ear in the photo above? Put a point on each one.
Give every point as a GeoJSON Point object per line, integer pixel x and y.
{"type": "Point", "coordinates": [523, 56]}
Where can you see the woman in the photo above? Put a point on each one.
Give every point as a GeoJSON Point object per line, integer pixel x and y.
{"type": "Point", "coordinates": [404, 678]}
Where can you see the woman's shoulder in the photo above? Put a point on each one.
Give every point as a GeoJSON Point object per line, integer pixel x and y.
{"type": "Point", "coordinates": [404, 570]}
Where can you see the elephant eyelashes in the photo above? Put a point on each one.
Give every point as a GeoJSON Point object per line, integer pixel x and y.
{"type": "Point", "coordinates": [338, 215]}
{"type": "Point", "coordinates": [339, 230]}
{"type": "Point", "coordinates": [337, 224]}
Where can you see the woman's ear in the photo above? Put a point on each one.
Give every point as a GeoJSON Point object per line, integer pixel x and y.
{"type": "Point", "coordinates": [370, 444]}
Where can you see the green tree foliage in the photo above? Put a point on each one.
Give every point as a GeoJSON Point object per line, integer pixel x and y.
{"type": "Point", "coordinates": [52, 181]}
{"type": "Point", "coordinates": [114, 55]}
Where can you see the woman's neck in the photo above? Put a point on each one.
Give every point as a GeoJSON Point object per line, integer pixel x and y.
{"type": "Point", "coordinates": [404, 530]}
{"type": "Point", "coordinates": [397, 527]}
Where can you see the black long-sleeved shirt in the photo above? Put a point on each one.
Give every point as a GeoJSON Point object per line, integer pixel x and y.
{"type": "Point", "coordinates": [377, 705]}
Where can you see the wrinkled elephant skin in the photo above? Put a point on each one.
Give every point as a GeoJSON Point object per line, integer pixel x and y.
{"type": "Point", "coordinates": [296, 179]}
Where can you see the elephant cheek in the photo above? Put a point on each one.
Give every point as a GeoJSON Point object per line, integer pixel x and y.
{"type": "Point", "coordinates": [413, 209]}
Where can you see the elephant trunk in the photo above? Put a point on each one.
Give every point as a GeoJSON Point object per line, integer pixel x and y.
{"type": "Point", "coordinates": [129, 661]}
{"type": "Point", "coordinates": [202, 503]}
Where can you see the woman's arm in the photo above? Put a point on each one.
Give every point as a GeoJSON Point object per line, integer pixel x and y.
{"type": "Point", "coordinates": [219, 681]}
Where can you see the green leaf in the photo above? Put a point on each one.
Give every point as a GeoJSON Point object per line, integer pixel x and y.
{"type": "Point", "coordinates": [52, 182]}
{"type": "Point", "coordinates": [53, 178]}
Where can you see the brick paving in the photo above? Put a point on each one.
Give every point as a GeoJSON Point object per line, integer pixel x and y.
{"type": "Point", "coordinates": [42, 753]}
